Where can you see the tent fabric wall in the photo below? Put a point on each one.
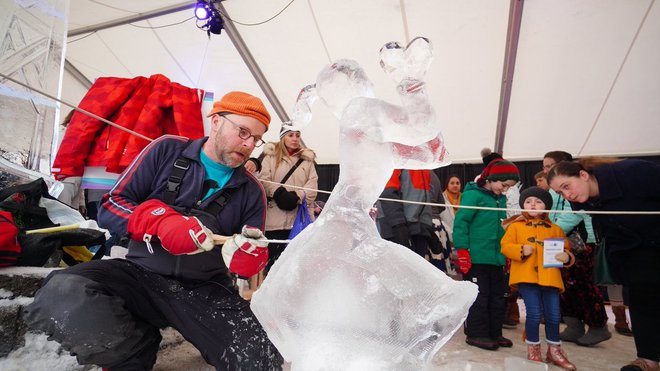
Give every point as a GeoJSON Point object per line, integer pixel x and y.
{"type": "Point", "coordinates": [580, 83]}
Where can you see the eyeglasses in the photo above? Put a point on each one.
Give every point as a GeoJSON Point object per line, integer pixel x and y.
{"type": "Point", "coordinates": [245, 134]}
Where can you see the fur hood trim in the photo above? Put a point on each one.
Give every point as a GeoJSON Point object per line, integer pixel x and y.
{"type": "Point", "coordinates": [269, 149]}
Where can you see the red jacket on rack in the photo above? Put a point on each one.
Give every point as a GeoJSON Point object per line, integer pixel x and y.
{"type": "Point", "coordinates": [151, 106]}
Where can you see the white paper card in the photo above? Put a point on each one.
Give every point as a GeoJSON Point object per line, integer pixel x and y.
{"type": "Point", "coordinates": [552, 247]}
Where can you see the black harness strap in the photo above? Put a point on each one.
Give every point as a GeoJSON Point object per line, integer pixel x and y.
{"type": "Point", "coordinates": [181, 165]}
{"type": "Point", "coordinates": [219, 202]}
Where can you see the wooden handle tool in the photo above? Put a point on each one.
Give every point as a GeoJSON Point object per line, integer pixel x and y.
{"type": "Point", "coordinates": [220, 239]}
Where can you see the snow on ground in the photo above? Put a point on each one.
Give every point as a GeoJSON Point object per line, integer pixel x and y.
{"type": "Point", "coordinates": [41, 354]}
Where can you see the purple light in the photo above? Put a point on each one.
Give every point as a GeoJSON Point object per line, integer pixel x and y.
{"type": "Point", "coordinates": [202, 11]}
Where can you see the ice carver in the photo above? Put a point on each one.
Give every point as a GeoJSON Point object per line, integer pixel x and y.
{"type": "Point", "coordinates": [340, 297]}
{"type": "Point", "coordinates": [169, 201]}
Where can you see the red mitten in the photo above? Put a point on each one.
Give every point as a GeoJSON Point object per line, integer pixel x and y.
{"type": "Point", "coordinates": [464, 261]}
{"type": "Point", "coordinates": [178, 234]}
{"type": "Point", "coordinates": [247, 253]}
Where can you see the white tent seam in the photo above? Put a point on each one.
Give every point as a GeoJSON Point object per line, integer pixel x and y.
{"type": "Point", "coordinates": [169, 52]}
{"type": "Point", "coordinates": [318, 31]}
{"type": "Point", "coordinates": [616, 77]}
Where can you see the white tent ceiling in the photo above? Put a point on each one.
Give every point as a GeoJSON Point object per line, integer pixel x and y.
{"type": "Point", "coordinates": [586, 77]}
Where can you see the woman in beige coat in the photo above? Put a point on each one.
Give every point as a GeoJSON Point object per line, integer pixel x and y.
{"type": "Point", "coordinates": [283, 202]}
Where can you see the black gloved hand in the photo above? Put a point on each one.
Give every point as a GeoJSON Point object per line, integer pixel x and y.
{"type": "Point", "coordinates": [285, 200]}
{"type": "Point", "coordinates": [401, 235]}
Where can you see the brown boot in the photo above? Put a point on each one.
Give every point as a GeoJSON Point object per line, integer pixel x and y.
{"type": "Point", "coordinates": [512, 311]}
{"type": "Point", "coordinates": [557, 357]}
{"type": "Point", "coordinates": [620, 320]}
{"type": "Point", "coordinates": [641, 364]}
{"type": "Point", "coordinates": [534, 352]}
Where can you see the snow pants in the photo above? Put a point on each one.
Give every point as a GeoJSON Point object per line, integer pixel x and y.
{"type": "Point", "coordinates": [109, 312]}
{"type": "Point", "coordinates": [486, 314]}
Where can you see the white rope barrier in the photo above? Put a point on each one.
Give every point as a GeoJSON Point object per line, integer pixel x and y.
{"type": "Point", "coordinates": [483, 207]}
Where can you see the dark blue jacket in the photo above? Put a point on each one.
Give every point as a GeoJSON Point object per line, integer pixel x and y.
{"type": "Point", "coordinates": [628, 185]}
{"type": "Point", "coordinates": [146, 178]}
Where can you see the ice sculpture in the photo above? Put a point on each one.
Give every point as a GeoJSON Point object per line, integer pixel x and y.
{"type": "Point", "coordinates": [33, 39]}
{"type": "Point", "coordinates": [340, 297]}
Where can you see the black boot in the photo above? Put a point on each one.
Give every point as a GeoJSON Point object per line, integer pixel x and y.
{"type": "Point", "coordinates": [574, 329]}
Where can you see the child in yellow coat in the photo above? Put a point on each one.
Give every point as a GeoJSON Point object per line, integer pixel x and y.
{"type": "Point", "coordinates": [538, 285]}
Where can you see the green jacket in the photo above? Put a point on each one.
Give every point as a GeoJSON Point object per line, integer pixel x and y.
{"type": "Point", "coordinates": [480, 231]}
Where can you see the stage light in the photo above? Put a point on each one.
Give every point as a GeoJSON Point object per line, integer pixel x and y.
{"type": "Point", "coordinates": [202, 11]}
{"type": "Point", "coordinates": [215, 25]}
{"type": "Point", "coordinates": [208, 17]}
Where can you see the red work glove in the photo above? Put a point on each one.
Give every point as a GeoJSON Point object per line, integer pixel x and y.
{"type": "Point", "coordinates": [178, 234]}
{"type": "Point", "coordinates": [247, 253]}
{"type": "Point", "coordinates": [464, 261]}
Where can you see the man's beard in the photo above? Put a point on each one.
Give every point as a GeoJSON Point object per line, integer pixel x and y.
{"type": "Point", "coordinates": [226, 158]}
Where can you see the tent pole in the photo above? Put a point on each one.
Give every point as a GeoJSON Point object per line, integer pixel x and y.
{"type": "Point", "coordinates": [252, 65]}
{"type": "Point", "coordinates": [77, 75]}
{"type": "Point", "coordinates": [133, 18]}
{"type": "Point", "coordinates": [513, 33]}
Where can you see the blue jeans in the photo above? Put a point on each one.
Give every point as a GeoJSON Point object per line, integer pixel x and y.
{"type": "Point", "coordinates": [541, 300]}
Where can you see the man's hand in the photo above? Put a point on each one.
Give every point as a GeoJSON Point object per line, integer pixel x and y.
{"type": "Point", "coordinates": [250, 166]}
{"type": "Point", "coordinates": [253, 165]}
{"type": "Point", "coordinates": [247, 253]}
{"type": "Point", "coordinates": [463, 259]}
{"type": "Point", "coordinates": [178, 234]}
{"type": "Point", "coordinates": [527, 250]}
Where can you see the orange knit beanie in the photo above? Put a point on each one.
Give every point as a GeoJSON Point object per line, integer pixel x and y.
{"type": "Point", "coordinates": [242, 104]}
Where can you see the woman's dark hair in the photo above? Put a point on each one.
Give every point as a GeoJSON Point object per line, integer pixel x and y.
{"type": "Point", "coordinates": [590, 163]}
{"type": "Point", "coordinates": [446, 185]}
{"type": "Point", "coordinates": [572, 168]}
{"type": "Point", "coordinates": [564, 168]}
{"type": "Point", "coordinates": [559, 156]}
